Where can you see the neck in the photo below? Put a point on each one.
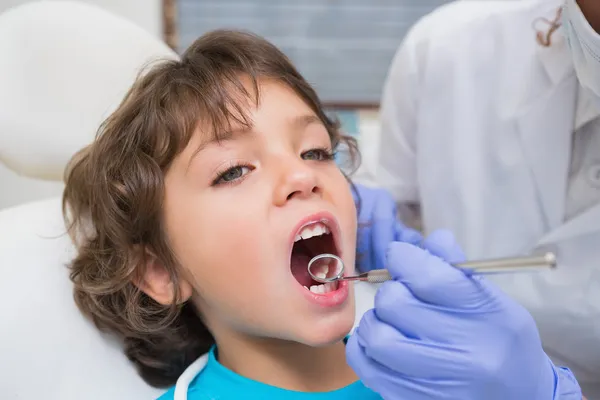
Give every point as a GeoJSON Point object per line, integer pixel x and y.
{"type": "Point", "coordinates": [591, 11]}
{"type": "Point", "coordinates": [287, 365]}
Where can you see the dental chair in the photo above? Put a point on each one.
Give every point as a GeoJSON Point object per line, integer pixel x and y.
{"type": "Point", "coordinates": [64, 66]}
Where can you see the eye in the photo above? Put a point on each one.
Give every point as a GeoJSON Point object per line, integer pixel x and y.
{"type": "Point", "coordinates": [322, 154]}
{"type": "Point", "coordinates": [232, 174]}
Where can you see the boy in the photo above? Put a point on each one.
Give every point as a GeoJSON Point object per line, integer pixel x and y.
{"type": "Point", "coordinates": [195, 213]}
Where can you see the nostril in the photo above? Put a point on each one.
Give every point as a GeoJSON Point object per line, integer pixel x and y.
{"type": "Point", "coordinates": [292, 195]}
{"type": "Point", "coordinates": [299, 193]}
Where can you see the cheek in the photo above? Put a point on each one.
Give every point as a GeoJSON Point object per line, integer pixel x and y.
{"type": "Point", "coordinates": [349, 229]}
{"type": "Point", "coordinates": [344, 202]}
{"type": "Point", "coordinates": [214, 243]}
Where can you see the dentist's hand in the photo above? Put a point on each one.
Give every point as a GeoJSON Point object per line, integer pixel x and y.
{"type": "Point", "coordinates": [378, 226]}
{"type": "Point", "coordinates": [436, 333]}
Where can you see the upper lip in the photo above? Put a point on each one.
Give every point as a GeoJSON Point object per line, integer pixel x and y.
{"type": "Point", "coordinates": [325, 218]}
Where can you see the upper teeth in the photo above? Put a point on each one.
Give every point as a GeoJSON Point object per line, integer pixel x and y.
{"type": "Point", "coordinates": [312, 230]}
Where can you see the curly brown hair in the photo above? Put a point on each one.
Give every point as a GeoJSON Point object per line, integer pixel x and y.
{"type": "Point", "coordinates": [114, 191]}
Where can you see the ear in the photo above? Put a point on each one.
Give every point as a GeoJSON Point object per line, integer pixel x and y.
{"type": "Point", "coordinates": [156, 282]}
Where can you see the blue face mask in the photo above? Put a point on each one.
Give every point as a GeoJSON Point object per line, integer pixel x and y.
{"type": "Point", "coordinates": [584, 44]}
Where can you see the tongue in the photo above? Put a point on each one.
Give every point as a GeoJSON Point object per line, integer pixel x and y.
{"type": "Point", "coordinates": [299, 265]}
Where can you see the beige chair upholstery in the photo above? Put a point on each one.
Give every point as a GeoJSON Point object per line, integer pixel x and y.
{"type": "Point", "coordinates": [64, 65]}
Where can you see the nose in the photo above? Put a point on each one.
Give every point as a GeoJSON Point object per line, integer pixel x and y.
{"type": "Point", "coordinates": [297, 180]}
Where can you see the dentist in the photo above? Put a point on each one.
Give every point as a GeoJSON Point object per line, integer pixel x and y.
{"type": "Point", "coordinates": [491, 128]}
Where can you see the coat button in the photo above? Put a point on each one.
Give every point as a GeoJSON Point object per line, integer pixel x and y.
{"type": "Point", "coordinates": [594, 176]}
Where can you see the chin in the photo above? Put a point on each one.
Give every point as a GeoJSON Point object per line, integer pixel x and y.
{"type": "Point", "coordinates": [326, 330]}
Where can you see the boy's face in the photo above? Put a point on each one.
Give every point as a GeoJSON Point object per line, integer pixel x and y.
{"type": "Point", "coordinates": [233, 212]}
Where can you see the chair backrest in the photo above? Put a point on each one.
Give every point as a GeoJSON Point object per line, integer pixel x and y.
{"type": "Point", "coordinates": [64, 66]}
{"type": "Point", "coordinates": [48, 350]}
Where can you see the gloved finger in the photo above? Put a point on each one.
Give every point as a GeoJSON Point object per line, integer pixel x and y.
{"type": "Point", "coordinates": [383, 228]}
{"type": "Point", "coordinates": [364, 367]}
{"type": "Point", "coordinates": [432, 280]}
{"type": "Point", "coordinates": [366, 199]}
{"type": "Point", "coordinates": [376, 223]}
{"type": "Point", "coordinates": [389, 347]}
{"type": "Point", "coordinates": [397, 307]}
{"type": "Point", "coordinates": [364, 261]}
{"type": "Point", "coordinates": [387, 383]}
{"type": "Point", "coordinates": [442, 243]}
{"type": "Point", "coordinates": [407, 235]}
{"type": "Point", "coordinates": [356, 353]}
{"type": "Point", "coordinates": [390, 384]}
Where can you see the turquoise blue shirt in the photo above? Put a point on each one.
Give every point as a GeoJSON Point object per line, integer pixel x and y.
{"type": "Point", "coordinates": [216, 382]}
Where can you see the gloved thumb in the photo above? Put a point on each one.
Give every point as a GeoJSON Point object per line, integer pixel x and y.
{"type": "Point", "coordinates": [407, 235]}
{"type": "Point", "coordinates": [434, 281]}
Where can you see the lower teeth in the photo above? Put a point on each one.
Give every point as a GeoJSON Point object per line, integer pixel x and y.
{"type": "Point", "coordinates": [324, 288]}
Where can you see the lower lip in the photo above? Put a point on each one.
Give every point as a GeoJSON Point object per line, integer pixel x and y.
{"type": "Point", "coordinates": [329, 299]}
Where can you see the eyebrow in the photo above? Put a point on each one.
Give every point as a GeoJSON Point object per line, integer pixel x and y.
{"type": "Point", "coordinates": [297, 123]}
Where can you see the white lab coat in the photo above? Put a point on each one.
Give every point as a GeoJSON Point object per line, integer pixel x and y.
{"type": "Point", "coordinates": [477, 122]}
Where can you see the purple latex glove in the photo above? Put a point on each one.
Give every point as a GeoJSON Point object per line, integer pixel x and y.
{"type": "Point", "coordinates": [436, 333]}
{"type": "Point", "coordinates": [378, 226]}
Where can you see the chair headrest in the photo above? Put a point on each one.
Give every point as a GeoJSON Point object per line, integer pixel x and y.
{"type": "Point", "coordinates": [64, 67]}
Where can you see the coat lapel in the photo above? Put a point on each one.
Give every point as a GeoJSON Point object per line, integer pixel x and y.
{"type": "Point", "coordinates": [545, 125]}
{"type": "Point", "coordinates": [585, 223]}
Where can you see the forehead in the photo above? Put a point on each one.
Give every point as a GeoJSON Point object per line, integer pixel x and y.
{"type": "Point", "coordinates": [276, 106]}
{"type": "Point", "coordinates": [280, 99]}
{"type": "Point", "coordinates": [269, 103]}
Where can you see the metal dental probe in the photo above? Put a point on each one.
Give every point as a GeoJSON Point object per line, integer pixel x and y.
{"type": "Point", "coordinates": [478, 267]}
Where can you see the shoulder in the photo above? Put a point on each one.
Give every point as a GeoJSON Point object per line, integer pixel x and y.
{"type": "Point", "coordinates": [169, 395]}
{"type": "Point", "coordinates": [465, 17]}
{"type": "Point", "coordinates": [473, 25]}
{"type": "Point", "coordinates": [471, 34]}
{"type": "Point", "coordinates": [195, 392]}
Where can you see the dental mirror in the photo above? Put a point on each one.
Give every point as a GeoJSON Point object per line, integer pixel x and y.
{"type": "Point", "coordinates": [326, 268]}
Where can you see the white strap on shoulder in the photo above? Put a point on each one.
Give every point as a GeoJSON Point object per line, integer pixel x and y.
{"type": "Point", "coordinates": [183, 382]}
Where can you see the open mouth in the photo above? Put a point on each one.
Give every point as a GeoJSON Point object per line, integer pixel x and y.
{"type": "Point", "coordinates": [312, 240]}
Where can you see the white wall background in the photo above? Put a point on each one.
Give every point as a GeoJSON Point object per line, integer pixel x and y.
{"type": "Point", "coordinates": [15, 189]}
